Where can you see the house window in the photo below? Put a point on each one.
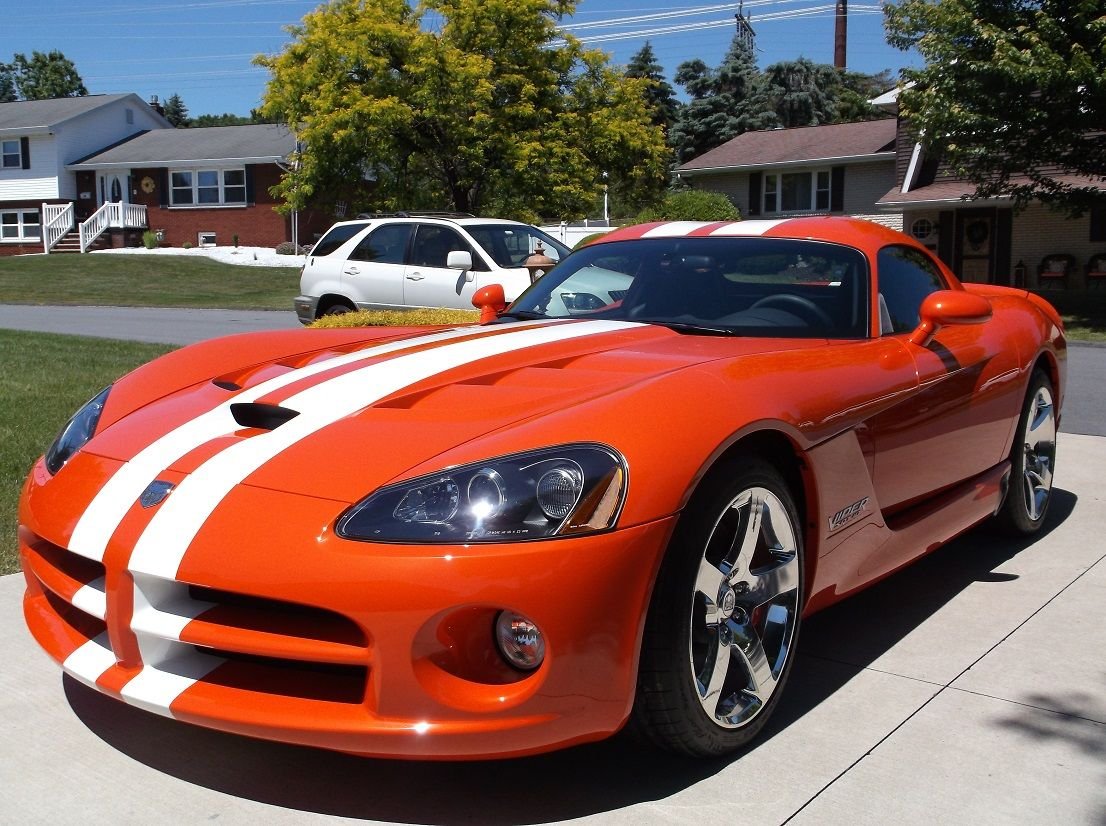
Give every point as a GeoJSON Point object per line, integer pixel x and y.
{"type": "Point", "coordinates": [10, 156]}
{"type": "Point", "coordinates": [1098, 223]}
{"type": "Point", "coordinates": [20, 225]}
{"type": "Point", "coordinates": [806, 191]}
{"type": "Point", "coordinates": [207, 187]}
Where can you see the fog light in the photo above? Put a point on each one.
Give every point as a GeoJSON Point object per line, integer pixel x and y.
{"type": "Point", "coordinates": [520, 641]}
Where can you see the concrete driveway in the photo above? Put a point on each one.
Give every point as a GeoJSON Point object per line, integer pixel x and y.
{"type": "Point", "coordinates": [971, 688]}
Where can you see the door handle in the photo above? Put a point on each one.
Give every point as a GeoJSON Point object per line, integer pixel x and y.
{"type": "Point", "coordinates": [352, 271]}
{"type": "Point", "coordinates": [415, 277]}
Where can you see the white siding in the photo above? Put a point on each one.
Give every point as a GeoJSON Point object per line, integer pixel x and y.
{"type": "Point", "coordinates": [864, 185]}
{"type": "Point", "coordinates": [41, 180]}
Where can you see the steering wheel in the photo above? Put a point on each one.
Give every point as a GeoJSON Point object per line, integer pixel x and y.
{"type": "Point", "coordinates": [791, 302]}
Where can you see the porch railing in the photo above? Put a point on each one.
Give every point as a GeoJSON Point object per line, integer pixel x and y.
{"type": "Point", "coordinates": [127, 216]}
{"type": "Point", "coordinates": [57, 220]}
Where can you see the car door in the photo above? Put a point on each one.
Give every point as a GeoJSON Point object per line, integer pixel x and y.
{"type": "Point", "coordinates": [373, 272]}
{"type": "Point", "coordinates": [957, 423]}
{"type": "Point", "coordinates": [427, 281]}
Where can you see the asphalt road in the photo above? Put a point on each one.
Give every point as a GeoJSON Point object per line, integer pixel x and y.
{"type": "Point", "coordinates": [1084, 411]}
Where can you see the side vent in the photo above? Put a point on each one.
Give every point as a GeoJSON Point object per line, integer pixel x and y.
{"type": "Point", "coordinates": [226, 385]}
{"type": "Point", "coordinates": [261, 416]}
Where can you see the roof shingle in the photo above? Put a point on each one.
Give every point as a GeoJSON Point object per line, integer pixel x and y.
{"type": "Point", "coordinates": [805, 143]}
{"type": "Point", "coordinates": [258, 142]}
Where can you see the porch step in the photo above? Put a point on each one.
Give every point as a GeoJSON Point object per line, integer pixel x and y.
{"type": "Point", "coordinates": [71, 242]}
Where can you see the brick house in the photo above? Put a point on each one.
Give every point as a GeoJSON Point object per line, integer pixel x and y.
{"type": "Point", "coordinates": [835, 169]}
{"type": "Point", "coordinates": [200, 186]}
{"type": "Point", "coordinates": [38, 140]}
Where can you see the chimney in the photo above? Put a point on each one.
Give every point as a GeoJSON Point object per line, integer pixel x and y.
{"type": "Point", "coordinates": [156, 106]}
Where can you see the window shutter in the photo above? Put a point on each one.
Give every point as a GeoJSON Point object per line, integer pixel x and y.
{"type": "Point", "coordinates": [946, 234]}
{"type": "Point", "coordinates": [163, 188]}
{"type": "Point", "coordinates": [25, 152]}
{"type": "Point", "coordinates": [756, 184]}
{"type": "Point", "coordinates": [249, 185]}
{"type": "Point", "coordinates": [1098, 223]}
{"type": "Point", "coordinates": [837, 189]}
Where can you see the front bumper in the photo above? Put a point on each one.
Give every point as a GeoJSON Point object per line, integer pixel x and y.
{"type": "Point", "coordinates": [274, 627]}
{"type": "Point", "coordinates": [306, 306]}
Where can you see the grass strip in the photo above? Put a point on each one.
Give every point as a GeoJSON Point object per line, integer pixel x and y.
{"type": "Point", "coordinates": [145, 281]}
{"type": "Point", "coordinates": [45, 379]}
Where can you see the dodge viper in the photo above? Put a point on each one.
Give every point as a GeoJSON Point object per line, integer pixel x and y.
{"type": "Point", "coordinates": [610, 504]}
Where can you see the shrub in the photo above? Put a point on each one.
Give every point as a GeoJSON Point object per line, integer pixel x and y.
{"type": "Point", "coordinates": [149, 240]}
{"type": "Point", "coordinates": [187, 245]}
{"type": "Point", "coordinates": [691, 205]}
{"type": "Point", "coordinates": [235, 240]}
{"type": "Point", "coordinates": [397, 318]}
{"type": "Point", "coordinates": [288, 248]}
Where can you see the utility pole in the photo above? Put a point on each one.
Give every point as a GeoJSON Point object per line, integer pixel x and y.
{"type": "Point", "coordinates": [745, 31]}
{"type": "Point", "coordinates": [840, 34]}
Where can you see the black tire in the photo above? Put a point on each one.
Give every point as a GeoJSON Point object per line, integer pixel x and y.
{"type": "Point", "coordinates": [1032, 462]}
{"type": "Point", "coordinates": [336, 309]}
{"type": "Point", "coordinates": [685, 702]}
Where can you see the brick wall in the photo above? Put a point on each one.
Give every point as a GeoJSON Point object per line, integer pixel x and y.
{"type": "Point", "coordinates": [256, 226]}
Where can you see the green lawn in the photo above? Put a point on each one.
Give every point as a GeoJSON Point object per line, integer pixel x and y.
{"type": "Point", "coordinates": [145, 281]}
{"type": "Point", "coordinates": [44, 380]}
{"type": "Point", "coordinates": [1084, 312]}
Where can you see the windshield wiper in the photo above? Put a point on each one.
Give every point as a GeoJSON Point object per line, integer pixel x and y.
{"type": "Point", "coordinates": [522, 315]}
{"type": "Point", "coordinates": [690, 329]}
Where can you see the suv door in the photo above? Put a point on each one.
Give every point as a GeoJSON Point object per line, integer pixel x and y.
{"type": "Point", "coordinates": [427, 281]}
{"type": "Point", "coordinates": [373, 272]}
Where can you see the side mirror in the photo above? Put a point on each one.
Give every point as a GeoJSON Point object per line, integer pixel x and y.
{"type": "Point", "coordinates": [946, 307]}
{"type": "Point", "coordinates": [490, 300]}
{"type": "Point", "coordinates": [459, 260]}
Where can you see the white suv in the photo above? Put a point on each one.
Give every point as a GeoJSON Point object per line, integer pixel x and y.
{"type": "Point", "coordinates": [413, 260]}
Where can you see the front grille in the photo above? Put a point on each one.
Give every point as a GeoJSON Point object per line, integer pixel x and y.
{"type": "Point", "coordinates": [288, 678]}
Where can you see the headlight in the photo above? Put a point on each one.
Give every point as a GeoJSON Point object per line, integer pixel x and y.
{"type": "Point", "coordinates": [556, 491]}
{"type": "Point", "coordinates": [76, 433]}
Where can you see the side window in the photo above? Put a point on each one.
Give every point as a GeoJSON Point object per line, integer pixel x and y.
{"type": "Point", "coordinates": [336, 237]}
{"type": "Point", "coordinates": [433, 244]}
{"type": "Point", "coordinates": [906, 277]}
{"type": "Point", "coordinates": [385, 245]}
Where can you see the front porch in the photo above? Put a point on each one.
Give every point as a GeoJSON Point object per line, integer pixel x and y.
{"type": "Point", "coordinates": [62, 233]}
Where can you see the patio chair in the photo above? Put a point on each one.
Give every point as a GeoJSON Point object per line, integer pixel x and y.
{"type": "Point", "coordinates": [1054, 270]}
{"type": "Point", "coordinates": [1096, 270]}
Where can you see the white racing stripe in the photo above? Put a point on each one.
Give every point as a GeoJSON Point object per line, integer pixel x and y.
{"type": "Point", "coordinates": [92, 598]}
{"type": "Point", "coordinates": [119, 493]}
{"type": "Point", "coordinates": [90, 661]}
{"type": "Point", "coordinates": [675, 229]}
{"type": "Point", "coordinates": [748, 227]}
{"type": "Point", "coordinates": [165, 540]}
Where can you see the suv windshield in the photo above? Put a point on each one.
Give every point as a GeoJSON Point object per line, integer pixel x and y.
{"type": "Point", "coordinates": [510, 244]}
{"type": "Point", "coordinates": [771, 287]}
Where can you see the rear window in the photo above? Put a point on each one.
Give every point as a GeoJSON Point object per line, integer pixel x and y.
{"type": "Point", "coordinates": [336, 237]}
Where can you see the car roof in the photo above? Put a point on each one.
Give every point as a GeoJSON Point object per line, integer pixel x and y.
{"type": "Point", "coordinates": [467, 221]}
{"type": "Point", "coordinates": [837, 229]}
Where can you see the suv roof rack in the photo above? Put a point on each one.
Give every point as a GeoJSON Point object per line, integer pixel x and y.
{"type": "Point", "coordinates": [417, 214]}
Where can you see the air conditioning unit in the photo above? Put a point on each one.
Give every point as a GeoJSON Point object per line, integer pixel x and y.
{"type": "Point", "coordinates": [206, 239]}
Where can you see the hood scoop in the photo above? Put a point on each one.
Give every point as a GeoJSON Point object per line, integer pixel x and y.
{"type": "Point", "coordinates": [261, 416]}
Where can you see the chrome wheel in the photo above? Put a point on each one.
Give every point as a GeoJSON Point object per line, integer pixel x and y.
{"type": "Point", "coordinates": [745, 607]}
{"type": "Point", "coordinates": [1039, 453]}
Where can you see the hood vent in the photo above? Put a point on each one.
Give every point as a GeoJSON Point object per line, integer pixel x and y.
{"type": "Point", "coordinates": [261, 416]}
{"type": "Point", "coordinates": [223, 384]}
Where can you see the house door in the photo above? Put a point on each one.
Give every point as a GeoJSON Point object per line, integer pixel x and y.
{"type": "Point", "coordinates": [982, 245]}
{"type": "Point", "coordinates": [112, 187]}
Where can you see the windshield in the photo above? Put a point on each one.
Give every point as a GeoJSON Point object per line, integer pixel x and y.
{"type": "Point", "coordinates": [772, 287]}
{"type": "Point", "coordinates": [511, 244]}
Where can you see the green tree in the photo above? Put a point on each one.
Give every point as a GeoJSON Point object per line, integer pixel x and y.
{"type": "Point", "coordinates": [7, 84]}
{"type": "Point", "coordinates": [798, 93]}
{"type": "Point", "coordinates": [1011, 95]}
{"type": "Point", "coordinates": [722, 104]}
{"type": "Point", "coordinates": [44, 76]}
{"type": "Point", "coordinates": [175, 111]}
{"type": "Point", "coordinates": [225, 119]}
{"type": "Point", "coordinates": [692, 205]}
{"type": "Point", "coordinates": [660, 97]}
{"type": "Point", "coordinates": [493, 108]}
{"type": "Point", "coordinates": [857, 88]}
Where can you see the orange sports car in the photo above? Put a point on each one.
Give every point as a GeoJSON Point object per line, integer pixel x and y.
{"type": "Point", "coordinates": [611, 503]}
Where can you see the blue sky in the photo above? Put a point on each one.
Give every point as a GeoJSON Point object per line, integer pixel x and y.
{"type": "Point", "coordinates": [202, 50]}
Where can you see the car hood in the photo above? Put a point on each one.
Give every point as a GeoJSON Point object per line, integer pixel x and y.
{"type": "Point", "coordinates": [339, 423]}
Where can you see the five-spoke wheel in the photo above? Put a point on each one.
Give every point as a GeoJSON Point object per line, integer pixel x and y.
{"type": "Point", "coordinates": [722, 628]}
{"type": "Point", "coordinates": [1032, 460]}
